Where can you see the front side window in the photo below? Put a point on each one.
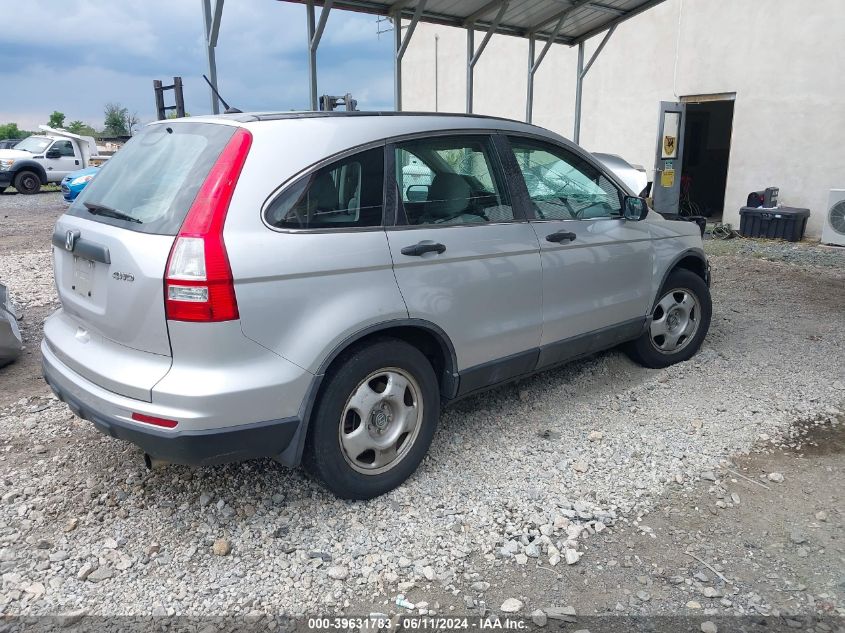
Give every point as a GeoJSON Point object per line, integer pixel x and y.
{"type": "Point", "coordinates": [451, 180]}
{"type": "Point", "coordinates": [344, 194]}
{"type": "Point", "coordinates": [564, 186]}
{"type": "Point", "coordinates": [65, 148]}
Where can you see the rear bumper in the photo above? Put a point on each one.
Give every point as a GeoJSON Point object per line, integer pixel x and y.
{"type": "Point", "coordinates": [111, 414]}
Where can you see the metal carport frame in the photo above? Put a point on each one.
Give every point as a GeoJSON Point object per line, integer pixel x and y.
{"type": "Point", "coordinates": [569, 22]}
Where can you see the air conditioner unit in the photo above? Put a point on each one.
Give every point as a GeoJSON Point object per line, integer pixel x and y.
{"type": "Point", "coordinates": [834, 222]}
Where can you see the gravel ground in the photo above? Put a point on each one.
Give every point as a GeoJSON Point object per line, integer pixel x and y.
{"type": "Point", "coordinates": [525, 487]}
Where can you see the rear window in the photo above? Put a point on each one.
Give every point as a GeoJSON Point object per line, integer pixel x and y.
{"type": "Point", "coordinates": [152, 181]}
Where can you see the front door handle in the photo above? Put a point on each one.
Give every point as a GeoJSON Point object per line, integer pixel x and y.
{"type": "Point", "coordinates": [423, 247]}
{"type": "Point", "coordinates": [561, 236]}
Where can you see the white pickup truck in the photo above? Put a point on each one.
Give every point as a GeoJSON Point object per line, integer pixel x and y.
{"type": "Point", "coordinates": [38, 160]}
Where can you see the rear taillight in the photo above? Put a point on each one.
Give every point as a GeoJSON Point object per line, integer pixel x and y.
{"type": "Point", "coordinates": [198, 284]}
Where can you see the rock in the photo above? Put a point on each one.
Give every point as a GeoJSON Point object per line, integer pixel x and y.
{"type": "Point", "coordinates": [511, 605]}
{"type": "Point", "coordinates": [43, 544]}
{"type": "Point", "coordinates": [711, 592]}
{"type": "Point", "coordinates": [598, 526]}
{"type": "Point", "coordinates": [71, 524]}
{"type": "Point", "coordinates": [708, 627]}
{"type": "Point", "coordinates": [566, 614]}
{"type": "Point", "coordinates": [110, 543]}
{"type": "Point", "coordinates": [571, 556]}
{"type": "Point", "coordinates": [100, 574]}
{"type": "Point", "coordinates": [221, 547]}
{"type": "Point", "coordinates": [708, 475]}
{"type": "Point", "coordinates": [693, 604]}
{"type": "Point", "coordinates": [644, 596]}
{"type": "Point", "coordinates": [480, 586]}
{"type": "Point", "coordinates": [821, 515]}
{"type": "Point", "coordinates": [521, 559]}
{"type": "Point", "coordinates": [428, 572]}
{"type": "Point", "coordinates": [595, 436]}
{"type": "Point", "coordinates": [775, 477]}
{"type": "Point", "coordinates": [735, 498]}
{"type": "Point", "coordinates": [797, 537]}
{"type": "Point", "coordinates": [580, 466]}
{"type": "Point", "coordinates": [153, 549]}
{"type": "Point", "coordinates": [701, 576]}
{"type": "Point", "coordinates": [539, 618]}
{"type": "Point", "coordinates": [205, 499]}
{"type": "Point", "coordinates": [85, 571]}
{"type": "Point", "coordinates": [69, 618]}
{"type": "Point", "coordinates": [338, 572]}
{"type": "Point", "coordinates": [532, 551]}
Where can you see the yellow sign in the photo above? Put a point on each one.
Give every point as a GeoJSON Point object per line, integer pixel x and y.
{"type": "Point", "coordinates": [669, 149]}
{"type": "Point", "coordinates": [667, 178]}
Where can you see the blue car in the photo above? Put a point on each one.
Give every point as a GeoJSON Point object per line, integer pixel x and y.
{"type": "Point", "coordinates": [76, 181]}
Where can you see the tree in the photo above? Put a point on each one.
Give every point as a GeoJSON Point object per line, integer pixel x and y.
{"type": "Point", "coordinates": [117, 120]}
{"type": "Point", "coordinates": [132, 122]}
{"type": "Point", "coordinates": [78, 127]}
{"type": "Point", "coordinates": [173, 115]}
{"type": "Point", "coordinates": [57, 119]}
{"type": "Point", "coordinates": [10, 130]}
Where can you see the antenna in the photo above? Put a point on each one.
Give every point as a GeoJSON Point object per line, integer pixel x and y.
{"type": "Point", "coordinates": [228, 110]}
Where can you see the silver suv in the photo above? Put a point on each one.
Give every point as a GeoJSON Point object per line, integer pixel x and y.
{"type": "Point", "coordinates": [315, 287]}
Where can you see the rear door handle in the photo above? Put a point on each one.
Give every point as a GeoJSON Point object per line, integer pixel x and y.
{"type": "Point", "coordinates": [423, 247]}
{"type": "Point", "coordinates": [561, 236]}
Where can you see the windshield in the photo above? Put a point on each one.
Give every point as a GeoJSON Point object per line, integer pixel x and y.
{"type": "Point", "coordinates": [34, 144]}
{"type": "Point", "coordinates": [149, 185]}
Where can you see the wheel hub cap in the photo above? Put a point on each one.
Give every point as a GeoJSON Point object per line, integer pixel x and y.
{"type": "Point", "coordinates": [381, 421]}
{"type": "Point", "coordinates": [674, 321]}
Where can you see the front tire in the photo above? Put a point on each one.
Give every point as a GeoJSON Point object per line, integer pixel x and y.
{"type": "Point", "coordinates": [27, 182]}
{"type": "Point", "coordinates": [374, 420]}
{"type": "Point", "coordinates": [679, 322]}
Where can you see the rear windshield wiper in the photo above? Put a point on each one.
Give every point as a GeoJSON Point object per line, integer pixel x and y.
{"type": "Point", "coordinates": [101, 209]}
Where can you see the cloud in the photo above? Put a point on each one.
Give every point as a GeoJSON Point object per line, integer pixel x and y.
{"type": "Point", "coordinates": [98, 51]}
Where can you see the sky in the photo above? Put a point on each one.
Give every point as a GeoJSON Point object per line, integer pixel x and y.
{"type": "Point", "coordinates": [78, 55]}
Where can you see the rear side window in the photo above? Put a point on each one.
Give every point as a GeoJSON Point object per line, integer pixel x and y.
{"type": "Point", "coordinates": [148, 185]}
{"type": "Point", "coordinates": [348, 193]}
{"type": "Point", "coordinates": [451, 180]}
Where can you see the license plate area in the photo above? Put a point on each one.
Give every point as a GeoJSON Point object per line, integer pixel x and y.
{"type": "Point", "coordinates": [83, 276]}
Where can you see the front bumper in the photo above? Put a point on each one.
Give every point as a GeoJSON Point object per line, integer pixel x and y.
{"type": "Point", "coordinates": [111, 414]}
{"type": "Point", "coordinates": [6, 178]}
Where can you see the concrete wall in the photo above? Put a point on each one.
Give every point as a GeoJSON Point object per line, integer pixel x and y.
{"type": "Point", "coordinates": [789, 119]}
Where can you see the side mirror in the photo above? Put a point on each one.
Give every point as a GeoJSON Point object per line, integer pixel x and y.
{"type": "Point", "coordinates": [416, 193]}
{"type": "Point", "coordinates": [53, 153]}
{"type": "Point", "coordinates": [634, 208]}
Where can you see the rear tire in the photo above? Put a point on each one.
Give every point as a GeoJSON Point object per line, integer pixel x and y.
{"type": "Point", "coordinates": [374, 420]}
{"type": "Point", "coordinates": [679, 322]}
{"type": "Point", "coordinates": [27, 182]}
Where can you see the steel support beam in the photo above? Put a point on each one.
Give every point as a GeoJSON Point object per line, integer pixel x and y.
{"type": "Point", "coordinates": [529, 97]}
{"type": "Point", "coordinates": [474, 55]}
{"type": "Point", "coordinates": [533, 64]}
{"type": "Point", "coordinates": [211, 24]}
{"type": "Point", "coordinates": [582, 72]}
{"type": "Point", "coordinates": [400, 46]}
{"type": "Point", "coordinates": [579, 86]}
{"type": "Point", "coordinates": [315, 33]}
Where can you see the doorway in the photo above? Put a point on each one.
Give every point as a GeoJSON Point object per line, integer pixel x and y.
{"type": "Point", "coordinates": [704, 166]}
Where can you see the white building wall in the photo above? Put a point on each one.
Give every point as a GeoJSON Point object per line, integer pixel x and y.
{"type": "Point", "coordinates": [783, 59]}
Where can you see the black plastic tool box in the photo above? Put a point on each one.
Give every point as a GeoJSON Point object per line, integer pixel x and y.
{"type": "Point", "coordinates": [778, 223]}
